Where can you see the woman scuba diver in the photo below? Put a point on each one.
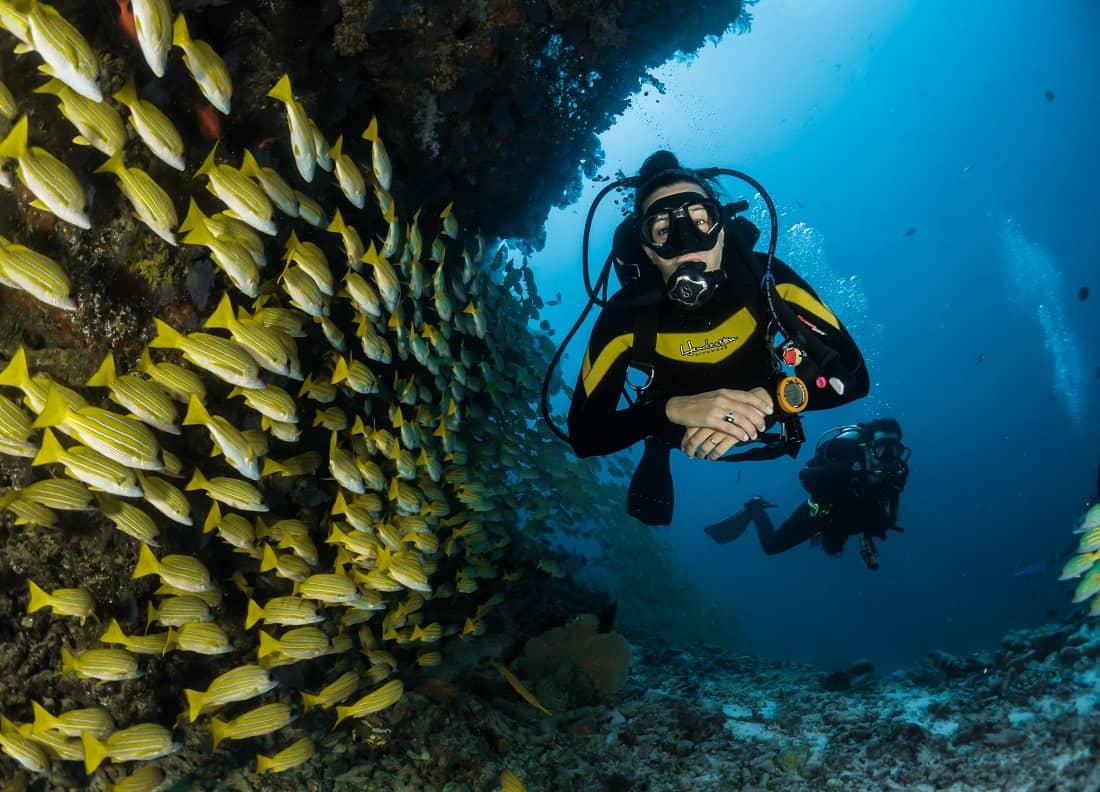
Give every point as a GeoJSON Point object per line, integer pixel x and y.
{"type": "Point", "coordinates": [698, 318]}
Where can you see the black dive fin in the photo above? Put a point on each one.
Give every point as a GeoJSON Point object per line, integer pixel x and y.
{"type": "Point", "coordinates": [650, 496]}
{"type": "Point", "coordinates": [730, 528]}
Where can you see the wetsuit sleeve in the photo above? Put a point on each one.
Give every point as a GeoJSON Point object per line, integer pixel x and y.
{"type": "Point", "coordinates": [596, 425]}
{"type": "Point", "coordinates": [818, 321]}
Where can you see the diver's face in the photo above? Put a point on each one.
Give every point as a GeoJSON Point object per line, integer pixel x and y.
{"type": "Point", "coordinates": [711, 258]}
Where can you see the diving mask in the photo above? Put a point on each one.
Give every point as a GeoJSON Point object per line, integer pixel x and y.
{"type": "Point", "coordinates": [686, 222]}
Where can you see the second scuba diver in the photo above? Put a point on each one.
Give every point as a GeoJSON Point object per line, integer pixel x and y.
{"type": "Point", "coordinates": [855, 480]}
{"type": "Point", "coordinates": [698, 319]}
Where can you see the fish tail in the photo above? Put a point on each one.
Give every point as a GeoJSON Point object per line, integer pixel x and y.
{"type": "Point", "coordinates": [341, 714]}
{"type": "Point", "coordinates": [181, 36]}
{"type": "Point", "coordinates": [309, 701]}
{"type": "Point", "coordinates": [371, 132]}
{"type": "Point", "coordinates": [167, 336]}
{"type": "Point", "coordinates": [446, 211]}
{"type": "Point", "coordinates": [337, 148]}
{"type": "Point", "coordinates": [255, 612]}
{"type": "Point", "coordinates": [43, 720]}
{"type": "Point", "coordinates": [54, 411]}
{"type": "Point", "coordinates": [39, 598]}
{"type": "Point", "coordinates": [212, 518]}
{"type": "Point", "coordinates": [307, 384]}
{"type": "Point", "coordinates": [16, 372]}
{"type": "Point", "coordinates": [268, 645]}
{"type": "Point", "coordinates": [50, 451]}
{"type": "Point", "coordinates": [198, 481]}
{"type": "Point", "coordinates": [147, 563]}
{"type": "Point", "coordinates": [52, 86]}
{"type": "Point", "coordinates": [339, 506]}
{"type": "Point", "coordinates": [195, 700]}
{"type": "Point", "coordinates": [15, 144]}
{"type": "Point", "coordinates": [68, 662]}
{"type": "Point", "coordinates": [150, 616]}
{"type": "Point", "coordinates": [265, 763]}
{"type": "Point", "coordinates": [223, 315]}
{"type": "Point", "coordinates": [340, 372]}
{"type": "Point", "coordinates": [282, 91]}
{"type": "Point", "coordinates": [249, 166]}
{"type": "Point", "coordinates": [95, 751]}
{"type": "Point", "coordinates": [114, 165]}
{"type": "Point", "coordinates": [195, 219]}
{"type": "Point", "coordinates": [170, 640]}
{"type": "Point", "coordinates": [127, 94]}
{"type": "Point", "coordinates": [271, 468]}
{"type": "Point", "coordinates": [104, 376]}
{"type": "Point", "coordinates": [114, 635]}
{"type": "Point", "coordinates": [208, 163]}
{"type": "Point", "coordinates": [337, 226]}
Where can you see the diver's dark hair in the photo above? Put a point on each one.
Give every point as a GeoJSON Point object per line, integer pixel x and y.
{"type": "Point", "coordinates": [662, 168]}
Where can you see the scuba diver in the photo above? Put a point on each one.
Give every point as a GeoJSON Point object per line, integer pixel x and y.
{"type": "Point", "coordinates": [697, 323]}
{"type": "Point", "coordinates": [855, 480]}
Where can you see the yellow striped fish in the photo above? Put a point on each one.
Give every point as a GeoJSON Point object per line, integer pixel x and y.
{"type": "Point", "coordinates": [303, 291]}
{"type": "Point", "coordinates": [166, 498]}
{"type": "Point", "coordinates": [64, 494]}
{"type": "Point", "coordinates": [67, 53]}
{"type": "Point", "coordinates": [321, 149]}
{"type": "Point", "coordinates": [243, 197]}
{"type": "Point", "coordinates": [205, 638]}
{"type": "Point", "coordinates": [272, 401]}
{"type": "Point", "coordinates": [232, 492]}
{"type": "Point", "coordinates": [384, 276]}
{"type": "Point", "coordinates": [234, 529]}
{"type": "Point", "coordinates": [146, 401]}
{"type": "Point", "coordinates": [334, 692]}
{"type": "Point", "coordinates": [301, 643]}
{"type": "Point", "coordinates": [312, 260]}
{"type": "Point", "coordinates": [88, 466]}
{"type": "Point", "coordinates": [301, 136]}
{"type": "Point", "coordinates": [224, 226]}
{"type": "Point", "coordinates": [63, 601]}
{"type": "Point", "coordinates": [233, 444]}
{"type": "Point", "coordinates": [510, 782]}
{"type": "Point", "coordinates": [73, 723]}
{"type": "Point", "coordinates": [280, 193]}
{"type": "Point", "coordinates": [67, 749]}
{"type": "Point", "coordinates": [328, 588]}
{"type": "Point", "coordinates": [237, 684]}
{"type": "Point", "coordinates": [150, 202]}
{"type": "Point", "coordinates": [138, 644]}
{"type": "Point", "coordinates": [153, 23]}
{"type": "Point", "coordinates": [56, 188]}
{"type": "Point", "coordinates": [24, 751]}
{"type": "Point", "coordinates": [409, 572]}
{"type": "Point", "coordinates": [206, 66]}
{"type": "Point", "coordinates": [117, 437]}
{"type": "Point", "coordinates": [288, 566]}
{"type": "Point", "coordinates": [36, 274]}
{"type": "Point", "coordinates": [285, 611]}
{"type": "Point", "coordinates": [154, 128]}
{"type": "Point", "coordinates": [178, 381]}
{"type": "Point", "coordinates": [348, 175]}
{"type": "Point", "coordinates": [178, 611]}
{"type": "Point", "coordinates": [380, 159]}
{"type": "Point", "coordinates": [141, 743]}
{"type": "Point", "coordinates": [375, 701]}
{"type": "Point", "coordinates": [299, 465]}
{"type": "Point", "coordinates": [147, 779]}
{"type": "Point", "coordinates": [27, 511]}
{"type": "Point", "coordinates": [349, 236]}
{"type": "Point", "coordinates": [108, 665]}
{"type": "Point", "coordinates": [99, 124]}
{"type": "Point", "coordinates": [182, 571]}
{"type": "Point", "coordinates": [223, 358]}
{"type": "Point", "coordinates": [263, 720]}
{"type": "Point", "coordinates": [310, 211]}
{"type": "Point", "coordinates": [262, 343]}
{"type": "Point", "coordinates": [294, 755]}
{"type": "Point", "coordinates": [231, 256]}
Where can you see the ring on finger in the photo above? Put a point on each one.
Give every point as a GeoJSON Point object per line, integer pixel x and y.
{"type": "Point", "coordinates": [730, 417]}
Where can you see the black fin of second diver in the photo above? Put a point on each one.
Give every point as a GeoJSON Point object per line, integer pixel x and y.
{"type": "Point", "coordinates": [650, 496]}
{"type": "Point", "coordinates": [730, 528]}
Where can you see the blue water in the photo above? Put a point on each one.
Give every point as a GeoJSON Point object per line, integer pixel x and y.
{"type": "Point", "coordinates": [863, 120]}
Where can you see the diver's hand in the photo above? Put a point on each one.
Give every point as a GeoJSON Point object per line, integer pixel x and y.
{"type": "Point", "coordinates": [710, 434]}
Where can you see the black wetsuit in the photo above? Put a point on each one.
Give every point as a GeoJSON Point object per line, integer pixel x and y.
{"type": "Point", "coordinates": [721, 344]}
{"type": "Point", "coordinates": [844, 501]}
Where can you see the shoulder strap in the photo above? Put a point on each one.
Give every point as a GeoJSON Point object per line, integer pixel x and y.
{"type": "Point", "coordinates": [644, 349]}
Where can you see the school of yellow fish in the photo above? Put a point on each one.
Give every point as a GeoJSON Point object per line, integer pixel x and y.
{"type": "Point", "coordinates": [415, 420]}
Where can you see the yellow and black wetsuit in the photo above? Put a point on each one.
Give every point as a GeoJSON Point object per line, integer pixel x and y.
{"type": "Point", "coordinates": [722, 344]}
